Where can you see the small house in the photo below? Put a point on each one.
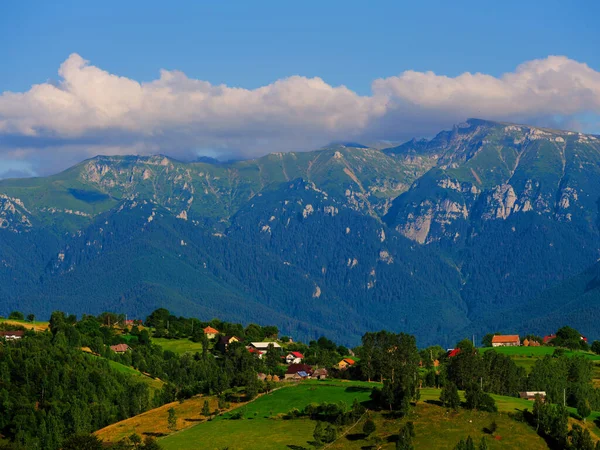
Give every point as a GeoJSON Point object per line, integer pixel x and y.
{"type": "Point", "coordinates": [453, 352]}
{"type": "Point", "coordinates": [120, 348]}
{"type": "Point", "coordinates": [293, 370]}
{"type": "Point", "coordinates": [320, 374]}
{"type": "Point", "coordinates": [12, 335]}
{"type": "Point", "coordinates": [256, 352]}
{"type": "Point", "coordinates": [548, 338]}
{"type": "Point", "coordinates": [530, 395]}
{"type": "Point", "coordinates": [345, 363]}
{"type": "Point", "coordinates": [225, 342]}
{"type": "Point", "coordinates": [508, 340]}
{"type": "Point", "coordinates": [211, 332]}
{"type": "Point", "coordinates": [294, 358]}
{"type": "Point", "coordinates": [264, 345]}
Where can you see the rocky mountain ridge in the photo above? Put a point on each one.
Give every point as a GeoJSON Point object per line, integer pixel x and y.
{"type": "Point", "coordinates": [435, 237]}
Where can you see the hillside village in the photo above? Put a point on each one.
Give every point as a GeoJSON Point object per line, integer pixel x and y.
{"type": "Point", "coordinates": [185, 359]}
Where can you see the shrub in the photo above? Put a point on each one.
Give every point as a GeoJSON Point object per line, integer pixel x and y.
{"type": "Point", "coordinates": [369, 427]}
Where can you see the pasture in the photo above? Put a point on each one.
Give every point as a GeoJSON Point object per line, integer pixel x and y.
{"type": "Point", "coordinates": [262, 427]}
{"type": "Point", "coordinates": [178, 346]}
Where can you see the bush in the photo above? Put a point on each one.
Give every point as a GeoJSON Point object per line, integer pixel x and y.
{"type": "Point", "coordinates": [369, 427]}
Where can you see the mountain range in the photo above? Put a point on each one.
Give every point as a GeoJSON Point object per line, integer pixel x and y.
{"type": "Point", "coordinates": [486, 227]}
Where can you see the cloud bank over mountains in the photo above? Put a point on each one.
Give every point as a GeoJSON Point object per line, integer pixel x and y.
{"type": "Point", "coordinates": [90, 111]}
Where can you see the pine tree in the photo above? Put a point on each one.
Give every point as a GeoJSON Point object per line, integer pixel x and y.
{"type": "Point", "coordinates": [483, 444]}
{"type": "Point", "coordinates": [206, 409]}
{"type": "Point", "coordinates": [407, 432]}
{"type": "Point", "coordinates": [318, 432]}
{"type": "Point", "coordinates": [449, 396]}
{"type": "Point", "coordinates": [172, 420]}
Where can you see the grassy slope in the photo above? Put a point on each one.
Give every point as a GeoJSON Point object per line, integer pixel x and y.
{"type": "Point", "coordinates": [37, 326]}
{"type": "Point", "coordinates": [155, 423]}
{"type": "Point", "coordinates": [153, 384]}
{"type": "Point", "coordinates": [261, 429]}
{"type": "Point", "coordinates": [178, 346]}
{"type": "Point", "coordinates": [437, 429]}
{"type": "Point", "coordinates": [527, 356]}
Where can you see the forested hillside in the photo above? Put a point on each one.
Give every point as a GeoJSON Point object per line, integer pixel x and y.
{"type": "Point", "coordinates": [441, 238]}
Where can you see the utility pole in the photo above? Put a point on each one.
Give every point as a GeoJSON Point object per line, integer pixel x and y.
{"type": "Point", "coordinates": [564, 397]}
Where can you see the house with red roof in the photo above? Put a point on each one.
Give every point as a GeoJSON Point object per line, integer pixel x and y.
{"type": "Point", "coordinates": [256, 351]}
{"type": "Point", "coordinates": [453, 352]}
{"type": "Point", "coordinates": [508, 340]}
{"type": "Point", "coordinates": [211, 332]}
{"type": "Point", "coordinates": [120, 348]}
{"type": "Point", "coordinates": [345, 363]}
{"type": "Point", "coordinates": [12, 335]}
{"type": "Point", "coordinates": [294, 358]}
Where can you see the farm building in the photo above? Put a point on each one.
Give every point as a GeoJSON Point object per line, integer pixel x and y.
{"type": "Point", "coordinates": [508, 340]}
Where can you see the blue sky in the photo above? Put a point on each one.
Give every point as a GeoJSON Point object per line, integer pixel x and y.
{"type": "Point", "coordinates": [251, 44]}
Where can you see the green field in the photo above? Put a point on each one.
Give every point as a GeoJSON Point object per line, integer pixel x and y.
{"type": "Point", "coordinates": [527, 356]}
{"type": "Point", "coordinates": [178, 346]}
{"type": "Point", "coordinates": [261, 428]}
{"type": "Point", "coordinates": [153, 384]}
{"type": "Point", "coordinates": [538, 352]}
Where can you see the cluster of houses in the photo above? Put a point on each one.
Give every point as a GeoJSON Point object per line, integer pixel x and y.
{"type": "Point", "coordinates": [513, 340]}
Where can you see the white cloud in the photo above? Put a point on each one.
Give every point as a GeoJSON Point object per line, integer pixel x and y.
{"type": "Point", "coordinates": [90, 111]}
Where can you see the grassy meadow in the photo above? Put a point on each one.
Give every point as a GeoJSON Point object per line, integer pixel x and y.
{"type": "Point", "coordinates": [155, 423]}
{"type": "Point", "coordinates": [527, 356]}
{"type": "Point", "coordinates": [262, 426]}
{"type": "Point", "coordinates": [179, 346]}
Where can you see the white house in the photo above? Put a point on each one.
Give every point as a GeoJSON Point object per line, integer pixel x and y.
{"type": "Point", "coordinates": [12, 335]}
{"type": "Point", "coordinates": [294, 358]}
{"type": "Point", "coordinates": [264, 345]}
